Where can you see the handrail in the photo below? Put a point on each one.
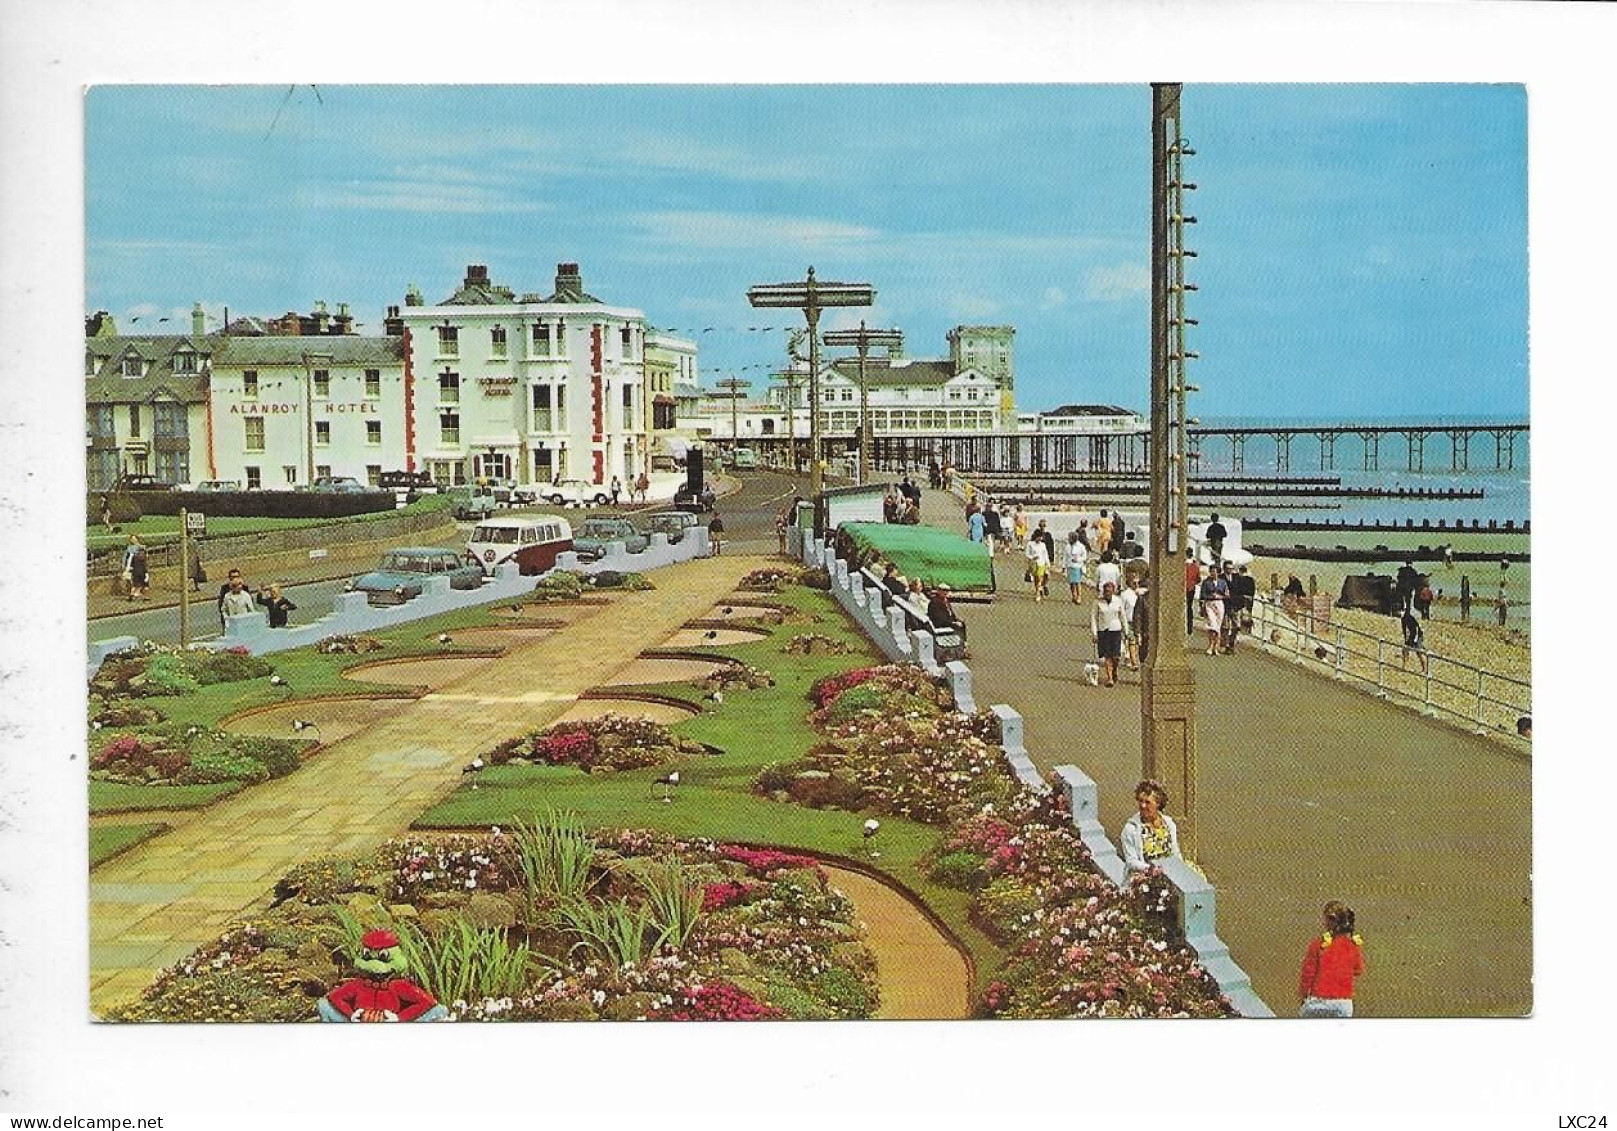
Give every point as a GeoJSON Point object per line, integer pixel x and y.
{"type": "Point", "coordinates": [1486, 701]}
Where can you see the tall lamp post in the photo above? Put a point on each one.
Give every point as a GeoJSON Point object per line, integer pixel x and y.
{"type": "Point", "coordinates": [1168, 697]}
{"type": "Point", "coordinates": [811, 296]}
{"type": "Point", "coordinates": [864, 339]}
{"type": "Point", "coordinates": [734, 386]}
{"type": "Point", "coordinates": [789, 379]}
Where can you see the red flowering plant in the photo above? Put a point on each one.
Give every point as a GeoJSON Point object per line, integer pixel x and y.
{"type": "Point", "coordinates": [930, 769]}
{"type": "Point", "coordinates": [727, 893]}
{"type": "Point", "coordinates": [762, 861]}
{"type": "Point", "coordinates": [720, 1001]}
{"type": "Point", "coordinates": [615, 742]}
{"type": "Point", "coordinates": [895, 677]}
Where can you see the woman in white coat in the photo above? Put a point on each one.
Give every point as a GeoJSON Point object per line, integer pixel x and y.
{"type": "Point", "coordinates": [1149, 835]}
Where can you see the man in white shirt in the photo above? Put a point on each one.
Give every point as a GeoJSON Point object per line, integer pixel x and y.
{"type": "Point", "coordinates": [1108, 571]}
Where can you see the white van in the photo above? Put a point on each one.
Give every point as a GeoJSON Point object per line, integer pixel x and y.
{"type": "Point", "coordinates": [532, 541]}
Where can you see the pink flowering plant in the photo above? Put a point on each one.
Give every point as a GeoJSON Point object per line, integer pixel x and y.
{"type": "Point", "coordinates": [611, 742]}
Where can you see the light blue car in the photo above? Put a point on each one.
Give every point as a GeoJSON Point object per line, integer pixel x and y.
{"type": "Point", "coordinates": [402, 574]}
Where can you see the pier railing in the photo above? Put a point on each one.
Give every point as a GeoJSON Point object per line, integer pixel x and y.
{"type": "Point", "coordinates": [1483, 701]}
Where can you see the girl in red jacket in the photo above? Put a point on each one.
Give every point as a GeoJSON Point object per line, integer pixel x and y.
{"type": "Point", "coordinates": [1333, 960]}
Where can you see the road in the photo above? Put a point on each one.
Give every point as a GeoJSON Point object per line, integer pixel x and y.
{"type": "Point", "coordinates": [749, 519]}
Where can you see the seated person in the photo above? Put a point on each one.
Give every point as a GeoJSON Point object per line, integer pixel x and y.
{"type": "Point", "coordinates": [894, 583]}
{"type": "Point", "coordinates": [1294, 587]}
{"type": "Point", "coordinates": [939, 611]}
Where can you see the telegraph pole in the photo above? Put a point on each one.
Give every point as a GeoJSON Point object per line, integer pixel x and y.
{"type": "Point", "coordinates": [864, 339]}
{"type": "Point", "coordinates": [811, 296]}
{"type": "Point", "coordinates": [1168, 698]}
{"type": "Point", "coordinates": [734, 387]}
{"type": "Point", "coordinates": [789, 379]}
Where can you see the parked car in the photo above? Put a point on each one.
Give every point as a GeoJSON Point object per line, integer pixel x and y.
{"type": "Point", "coordinates": [531, 542]}
{"type": "Point", "coordinates": [407, 486]}
{"type": "Point", "coordinates": [208, 485]}
{"type": "Point", "coordinates": [743, 458]}
{"type": "Point", "coordinates": [402, 574]}
{"type": "Point", "coordinates": [672, 523]}
{"type": "Point", "coordinates": [687, 500]}
{"type": "Point", "coordinates": [579, 491]}
{"type": "Point", "coordinates": [338, 485]}
{"type": "Point", "coordinates": [471, 503]}
{"type": "Point", "coordinates": [141, 483]}
{"type": "Point", "coordinates": [590, 540]}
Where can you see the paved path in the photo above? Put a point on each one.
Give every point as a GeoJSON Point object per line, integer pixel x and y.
{"type": "Point", "coordinates": [1308, 791]}
{"type": "Point", "coordinates": [157, 902]}
{"type": "Point", "coordinates": [921, 974]}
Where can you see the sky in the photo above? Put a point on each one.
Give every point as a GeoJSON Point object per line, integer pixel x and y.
{"type": "Point", "coordinates": [1362, 249]}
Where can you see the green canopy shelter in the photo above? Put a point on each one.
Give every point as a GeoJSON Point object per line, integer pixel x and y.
{"type": "Point", "coordinates": [933, 555]}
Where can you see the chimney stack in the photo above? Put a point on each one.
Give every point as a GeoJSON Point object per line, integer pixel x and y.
{"type": "Point", "coordinates": [393, 325]}
{"type": "Point", "coordinates": [477, 275]}
{"type": "Point", "coordinates": [569, 282]}
{"type": "Point", "coordinates": [199, 320]}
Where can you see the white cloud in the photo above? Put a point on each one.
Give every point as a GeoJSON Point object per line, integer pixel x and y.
{"type": "Point", "coordinates": [445, 193]}
{"type": "Point", "coordinates": [1120, 281]}
{"type": "Point", "coordinates": [971, 307]}
{"type": "Point", "coordinates": [748, 231]}
{"type": "Point", "coordinates": [1054, 299]}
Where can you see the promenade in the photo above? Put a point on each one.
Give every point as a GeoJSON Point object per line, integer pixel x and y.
{"type": "Point", "coordinates": [1307, 791]}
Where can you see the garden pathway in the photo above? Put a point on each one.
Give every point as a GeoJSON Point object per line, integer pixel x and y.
{"type": "Point", "coordinates": [922, 975]}
{"type": "Point", "coordinates": [157, 902]}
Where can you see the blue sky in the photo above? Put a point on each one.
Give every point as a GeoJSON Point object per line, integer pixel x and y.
{"type": "Point", "coordinates": [1362, 249]}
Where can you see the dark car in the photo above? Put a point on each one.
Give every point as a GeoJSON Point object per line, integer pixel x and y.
{"type": "Point", "coordinates": [590, 540]}
{"type": "Point", "coordinates": [692, 502]}
{"type": "Point", "coordinates": [672, 523]}
{"type": "Point", "coordinates": [338, 485]}
{"type": "Point", "coordinates": [402, 574]}
{"type": "Point", "coordinates": [142, 483]}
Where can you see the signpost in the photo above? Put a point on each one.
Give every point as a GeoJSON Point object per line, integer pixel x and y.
{"type": "Point", "coordinates": [193, 524]}
{"type": "Point", "coordinates": [864, 339]}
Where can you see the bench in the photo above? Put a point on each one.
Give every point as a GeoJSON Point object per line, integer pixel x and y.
{"type": "Point", "coordinates": [947, 643]}
{"type": "Point", "coordinates": [873, 581]}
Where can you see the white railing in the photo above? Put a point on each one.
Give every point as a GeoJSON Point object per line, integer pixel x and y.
{"type": "Point", "coordinates": [1486, 702]}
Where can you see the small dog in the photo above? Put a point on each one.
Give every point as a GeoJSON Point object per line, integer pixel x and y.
{"type": "Point", "coordinates": [1092, 674]}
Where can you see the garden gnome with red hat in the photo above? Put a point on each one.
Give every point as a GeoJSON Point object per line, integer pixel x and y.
{"type": "Point", "coordinates": [381, 992]}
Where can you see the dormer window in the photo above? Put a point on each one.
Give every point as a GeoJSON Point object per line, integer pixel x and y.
{"type": "Point", "coordinates": [185, 362]}
{"type": "Point", "coordinates": [131, 366]}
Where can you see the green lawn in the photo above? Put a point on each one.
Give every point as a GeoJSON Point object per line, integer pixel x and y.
{"type": "Point", "coordinates": [106, 841]}
{"type": "Point", "coordinates": [157, 529]}
{"type": "Point", "coordinates": [715, 798]}
{"type": "Point", "coordinates": [116, 797]}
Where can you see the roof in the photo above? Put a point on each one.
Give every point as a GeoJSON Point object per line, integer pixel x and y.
{"type": "Point", "coordinates": [570, 293]}
{"type": "Point", "coordinates": [881, 373]}
{"type": "Point", "coordinates": [1090, 410]}
{"type": "Point", "coordinates": [108, 384]}
{"type": "Point", "coordinates": [341, 349]}
{"type": "Point", "coordinates": [481, 294]}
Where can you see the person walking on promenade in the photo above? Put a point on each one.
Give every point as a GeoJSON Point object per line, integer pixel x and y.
{"type": "Point", "coordinates": [1038, 567]}
{"type": "Point", "coordinates": [1042, 534]}
{"type": "Point", "coordinates": [889, 506]}
{"type": "Point", "coordinates": [715, 534]}
{"type": "Point", "coordinates": [1215, 539]}
{"type": "Point", "coordinates": [1131, 644]}
{"type": "Point", "coordinates": [642, 484]}
{"type": "Point", "coordinates": [234, 598]}
{"type": "Point", "coordinates": [912, 514]}
{"type": "Point", "coordinates": [993, 529]}
{"type": "Point", "coordinates": [1193, 579]}
{"type": "Point", "coordinates": [1333, 960]}
{"type": "Point", "coordinates": [1108, 573]}
{"type": "Point", "coordinates": [136, 568]}
{"type": "Point", "coordinates": [198, 572]}
{"type": "Point", "coordinates": [1414, 641]}
{"type": "Point", "coordinates": [977, 525]}
{"type": "Point", "coordinates": [1214, 591]}
{"type": "Point", "coordinates": [1076, 556]}
{"type": "Point", "coordinates": [617, 489]}
{"type": "Point", "coordinates": [1150, 834]}
{"type": "Point", "coordinates": [1141, 621]}
{"type": "Point", "coordinates": [276, 605]}
{"type": "Point", "coordinates": [1233, 609]}
{"type": "Point", "coordinates": [1294, 587]}
{"type": "Point", "coordinates": [1019, 528]}
{"type": "Point", "coordinates": [1106, 630]}
{"type": "Point", "coordinates": [106, 513]}
{"type": "Point", "coordinates": [934, 474]}
{"type": "Point", "coordinates": [1405, 582]}
{"type": "Point", "coordinates": [1103, 532]}
{"type": "Point", "coordinates": [1083, 536]}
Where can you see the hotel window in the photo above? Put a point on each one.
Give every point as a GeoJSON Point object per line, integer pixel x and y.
{"type": "Point", "coordinates": [878, 420]}
{"type": "Point", "coordinates": [954, 394]}
{"type": "Point", "coordinates": [628, 399]}
{"type": "Point", "coordinates": [254, 426]}
{"type": "Point", "coordinates": [168, 422]}
{"type": "Point", "coordinates": [448, 387]}
{"type": "Point", "coordinates": [847, 395]}
{"type": "Point", "coordinates": [449, 428]}
{"type": "Point", "coordinates": [255, 478]}
{"type": "Point", "coordinates": [448, 341]}
{"type": "Point", "coordinates": [185, 362]}
{"type": "Point", "coordinates": [628, 344]}
{"type": "Point", "coordinates": [249, 383]}
{"type": "Point", "coordinates": [373, 431]}
{"type": "Point", "coordinates": [134, 421]}
{"type": "Point", "coordinates": [933, 418]}
{"type": "Point", "coordinates": [131, 366]}
{"type": "Point", "coordinates": [102, 419]}
{"type": "Point", "coordinates": [373, 474]}
{"type": "Point", "coordinates": [322, 471]}
{"type": "Point", "coordinates": [322, 433]}
{"type": "Point", "coordinates": [291, 473]}
{"type": "Point", "coordinates": [541, 408]}
{"type": "Point", "coordinates": [971, 394]}
{"type": "Point", "coordinates": [322, 382]}
{"type": "Point", "coordinates": [373, 382]}
{"type": "Point", "coordinates": [496, 344]}
{"type": "Point", "coordinates": [541, 340]}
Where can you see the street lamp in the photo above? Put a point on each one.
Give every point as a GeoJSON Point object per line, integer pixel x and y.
{"type": "Point", "coordinates": [734, 386]}
{"type": "Point", "coordinates": [789, 379]}
{"type": "Point", "coordinates": [811, 296]}
{"type": "Point", "coordinates": [864, 339]}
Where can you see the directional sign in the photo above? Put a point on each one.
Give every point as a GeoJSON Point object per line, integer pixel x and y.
{"type": "Point", "coordinates": [196, 524]}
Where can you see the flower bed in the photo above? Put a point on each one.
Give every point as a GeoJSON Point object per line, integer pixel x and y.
{"type": "Point", "coordinates": [771, 579]}
{"type": "Point", "coordinates": [558, 585]}
{"type": "Point", "coordinates": [545, 923]}
{"type": "Point", "coordinates": [615, 579]}
{"type": "Point", "coordinates": [348, 644]}
{"type": "Point", "coordinates": [158, 669]}
{"type": "Point", "coordinates": [611, 742]}
{"type": "Point", "coordinates": [736, 677]}
{"type": "Point", "coordinates": [815, 644]}
{"type": "Point", "coordinates": [907, 678]}
{"type": "Point", "coordinates": [170, 755]}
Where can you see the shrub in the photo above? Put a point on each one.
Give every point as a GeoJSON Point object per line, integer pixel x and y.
{"type": "Point", "coordinates": [464, 963]}
{"type": "Point", "coordinates": [169, 674]}
{"type": "Point", "coordinates": [845, 991]}
{"type": "Point", "coordinates": [122, 712]}
{"type": "Point", "coordinates": [816, 578]}
{"type": "Point", "coordinates": [279, 756]}
{"type": "Point", "coordinates": [778, 776]}
{"type": "Point", "coordinates": [615, 742]}
{"type": "Point", "coordinates": [230, 666]}
{"type": "Point", "coordinates": [317, 881]}
{"type": "Point", "coordinates": [762, 861]}
{"type": "Point", "coordinates": [1001, 906]}
{"type": "Point", "coordinates": [828, 792]}
{"type": "Point", "coordinates": [212, 766]}
{"type": "Point", "coordinates": [963, 870]}
{"type": "Point", "coordinates": [815, 644]}
{"type": "Point", "coordinates": [347, 643]}
{"type": "Point", "coordinates": [559, 585]}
